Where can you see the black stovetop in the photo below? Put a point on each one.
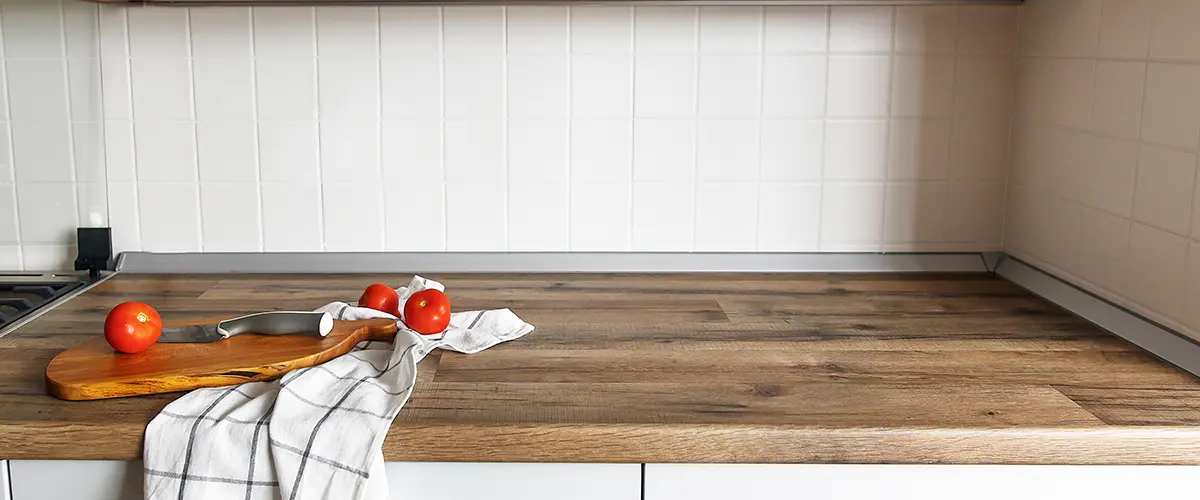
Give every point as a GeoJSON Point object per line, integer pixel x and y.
{"type": "Point", "coordinates": [23, 293]}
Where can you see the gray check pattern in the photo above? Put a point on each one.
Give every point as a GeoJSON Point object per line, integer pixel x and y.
{"type": "Point", "coordinates": [316, 433]}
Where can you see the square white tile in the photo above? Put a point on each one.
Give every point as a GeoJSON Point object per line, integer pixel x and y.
{"type": "Point", "coordinates": [732, 28]}
{"type": "Point", "coordinates": [48, 257]}
{"type": "Point", "coordinates": [349, 152]}
{"type": "Point", "coordinates": [287, 88]}
{"type": "Point", "coordinates": [291, 217]}
{"type": "Point", "coordinates": [726, 216]}
{"type": "Point", "coordinates": [979, 149]}
{"type": "Point", "coordinates": [851, 217]}
{"type": "Point", "coordinates": [476, 215]}
{"type": "Point", "coordinates": [31, 30]}
{"type": "Point", "coordinates": [37, 89]}
{"type": "Point", "coordinates": [47, 212]}
{"type": "Point", "coordinates": [856, 150]}
{"type": "Point", "coordinates": [792, 150]}
{"type": "Point", "coordinates": [227, 151]}
{"type": "Point", "coordinates": [727, 150]}
{"type": "Point", "coordinates": [601, 150]}
{"type": "Point", "coordinates": [1166, 182]}
{"type": "Point", "coordinates": [1125, 28]}
{"type": "Point", "coordinates": [157, 32]}
{"type": "Point", "coordinates": [411, 86]}
{"type": "Point", "coordinates": [1103, 244]}
{"type": "Point", "coordinates": [118, 151]}
{"type": "Point", "coordinates": [1171, 113]}
{"type": "Point", "coordinates": [347, 32]}
{"type": "Point", "coordinates": [353, 215]}
{"type": "Point", "coordinates": [406, 233]}
{"type": "Point", "coordinates": [348, 88]}
{"type": "Point", "coordinates": [86, 96]}
{"type": "Point", "coordinates": [285, 31]}
{"type": "Point", "coordinates": [81, 24]}
{"type": "Point", "coordinates": [474, 87]}
{"type": "Point", "coordinates": [1108, 182]}
{"type": "Point", "coordinates": [1155, 269]}
{"type": "Point", "coordinates": [923, 85]}
{"type": "Point", "coordinates": [664, 150]}
{"type": "Point", "coordinates": [10, 257]}
{"type": "Point", "coordinates": [538, 151]}
{"type": "Point", "coordinates": [123, 216]}
{"type": "Point", "coordinates": [602, 86]}
{"type": "Point", "coordinates": [858, 86]}
{"type": "Point", "coordinates": [161, 89]}
{"type": "Point", "coordinates": [987, 29]}
{"type": "Point", "coordinates": [663, 216]}
{"type": "Point", "coordinates": [224, 89]}
{"type": "Point", "coordinates": [538, 86]}
{"type": "Point", "coordinates": [473, 30]}
{"type": "Point", "coordinates": [539, 216]}
{"type": "Point", "coordinates": [913, 213]}
{"type": "Point", "coordinates": [169, 213]}
{"type": "Point", "coordinates": [1069, 156]}
{"type": "Point", "coordinates": [412, 152]}
{"type": "Point", "coordinates": [1173, 34]}
{"type": "Point", "coordinates": [8, 215]}
{"type": "Point", "coordinates": [1062, 231]}
{"type": "Point", "coordinates": [220, 32]}
{"type": "Point", "coordinates": [91, 201]}
{"type": "Point", "coordinates": [601, 216]}
{"type": "Point", "coordinates": [860, 29]}
{"type": "Point", "coordinates": [474, 151]}
{"type": "Point", "coordinates": [665, 86]}
{"type": "Point", "coordinates": [918, 149]}
{"type": "Point", "coordinates": [537, 29]}
{"type": "Point", "coordinates": [926, 29]}
{"type": "Point", "coordinates": [984, 86]}
{"type": "Point", "coordinates": [601, 29]}
{"type": "Point", "coordinates": [795, 28]}
{"type": "Point", "coordinates": [288, 152]}
{"type": "Point", "coordinates": [1034, 88]}
{"type": "Point", "coordinates": [729, 86]}
{"type": "Point", "coordinates": [166, 151]}
{"type": "Point", "coordinates": [1071, 97]}
{"type": "Point", "coordinates": [789, 217]}
{"type": "Point", "coordinates": [664, 29]}
{"type": "Point", "coordinates": [408, 30]}
{"type": "Point", "coordinates": [794, 86]}
{"type": "Point", "coordinates": [1191, 292]}
{"type": "Point", "coordinates": [41, 152]}
{"type": "Point", "coordinates": [229, 214]}
{"type": "Point", "coordinates": [117, 105]}
{"type": "Point", "coordinates": [1117, 107]}
{"type": "Point", "coordinates": [975, 214]}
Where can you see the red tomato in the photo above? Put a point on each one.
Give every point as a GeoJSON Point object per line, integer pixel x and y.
{"type": "Point", "coordinates": [381, 297]}
{"type": "Point", "coordinates": [132, 327]}
{"type": "Point", "coordinates": [427, 312]}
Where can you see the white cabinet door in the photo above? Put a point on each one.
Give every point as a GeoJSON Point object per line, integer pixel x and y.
{"type": "Point", "coordinates": [497, 481]}
{"type": "Point", "coordinates": [917, 482]}
{"type": "Point", "coordinates": [75, 480]}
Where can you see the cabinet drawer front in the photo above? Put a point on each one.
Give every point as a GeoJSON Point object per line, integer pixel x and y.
{"type": "Point", "coordinates": [499, 481]}
{"type": "Point", "coordinates": [916, 482]}
{"type": "Point", "coordinates": [75, 480]}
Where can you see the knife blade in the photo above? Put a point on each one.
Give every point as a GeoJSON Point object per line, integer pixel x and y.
{"type": "Point", "coordinates": [316, 324]}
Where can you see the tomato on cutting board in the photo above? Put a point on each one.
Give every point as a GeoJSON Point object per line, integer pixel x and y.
{"type": "Point", "coordinates": [381, 297]}
{"type": "Point", "coordinates": [427, 312]}
{"type": "Point", "coordinates": [132, 327]}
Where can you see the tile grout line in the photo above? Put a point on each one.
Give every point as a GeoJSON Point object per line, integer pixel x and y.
{"type": "Point", "coordinates": [888, 120]}
{"type": "Point", "coordinates": [11, 157]}
{"type": "Point", "coordinates": [758, 181]}
{"type": "Point", "coordinates": [441, 11]}
{"type": "Point", "coordinates": [195, 124]}
{"type": "Point", "coordinates": [132, 129]}
{"type": "Point", "coordinates": [633, 57]}
{"type": "Point", "coordinates": [824, 130]}
{"type": "Point", "coordinates": [382, 190]}
{"type": "Point", "coordinates": [570, 125]}
{"type": "Point", "coordinates": [695, 187]}
{"type": "Point", "coordinates": [258, 183]}
{"type": "Point", "coordinates": [315, 67]}
{"type": "Point", "coordinates": [71, 159]}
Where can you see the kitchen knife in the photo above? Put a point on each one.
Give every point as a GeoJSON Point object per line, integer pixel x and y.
{"type": "Point", "coordinates": [316, 324]}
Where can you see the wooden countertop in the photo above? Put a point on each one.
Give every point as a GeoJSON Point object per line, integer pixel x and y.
{"type": "Point", "coordinates": [690, 368]}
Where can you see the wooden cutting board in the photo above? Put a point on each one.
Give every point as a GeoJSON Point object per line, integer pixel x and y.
{"type": "Point", "coordinates": [93, 370]}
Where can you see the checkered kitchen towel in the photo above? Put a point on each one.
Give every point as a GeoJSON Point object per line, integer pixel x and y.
{"type": "Point", "coordinates": [317, 432]}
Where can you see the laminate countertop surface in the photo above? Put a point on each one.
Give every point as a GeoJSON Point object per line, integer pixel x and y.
{"type": "Point", "coordinates": [752, 368]}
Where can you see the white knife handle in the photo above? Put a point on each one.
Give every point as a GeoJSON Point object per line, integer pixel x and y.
{"type": "Point", "coordinates": [317, 324]}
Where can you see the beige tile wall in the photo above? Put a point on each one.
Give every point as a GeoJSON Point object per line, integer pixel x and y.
{"type": "Point", "coordinates": [1103, 186]}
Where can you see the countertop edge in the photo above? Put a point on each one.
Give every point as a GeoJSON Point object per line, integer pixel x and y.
{"type": "Point", "coordinates": [668, 443]}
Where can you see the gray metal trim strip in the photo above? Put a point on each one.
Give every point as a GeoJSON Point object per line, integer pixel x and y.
{"type": "Point", "coordinates": [454, 262]}
{"type": "Point", "coordinates": [1169, 345]}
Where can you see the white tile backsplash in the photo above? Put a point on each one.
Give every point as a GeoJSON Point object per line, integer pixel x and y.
{"type": "Point", "coordinates": [540, 128]}
{"type": "Point", "coordinates": [1165, 184]}
{"type": "Point", "coordinates": [1171, 113]}
{"type": "Point", "coordinates": [54, 202]}
{"type": "Point", "coordinates": [1125, 28]}
{"type": "Point", "coordinates": [1118, 95]}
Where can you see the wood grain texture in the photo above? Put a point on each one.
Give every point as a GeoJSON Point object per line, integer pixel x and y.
{"type": "Point", "coordinates": [93, 370]}
{"type": "Point", "coordinates": [958, 368]}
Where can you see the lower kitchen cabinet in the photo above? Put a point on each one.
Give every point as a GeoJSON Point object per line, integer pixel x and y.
{"type": "Point", "coordinates": [917, 482]}
{"type": "Point", "coordinates": [113, 480]}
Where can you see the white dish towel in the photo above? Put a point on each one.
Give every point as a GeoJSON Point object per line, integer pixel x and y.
{"type": "Point", "coordinates": [317, 433]}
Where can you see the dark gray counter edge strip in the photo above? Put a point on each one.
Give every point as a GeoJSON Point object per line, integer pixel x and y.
{"type": "Point", "coordinates": [466, 262]}
{"type": "Point", "coordinates": [1167, 344]}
